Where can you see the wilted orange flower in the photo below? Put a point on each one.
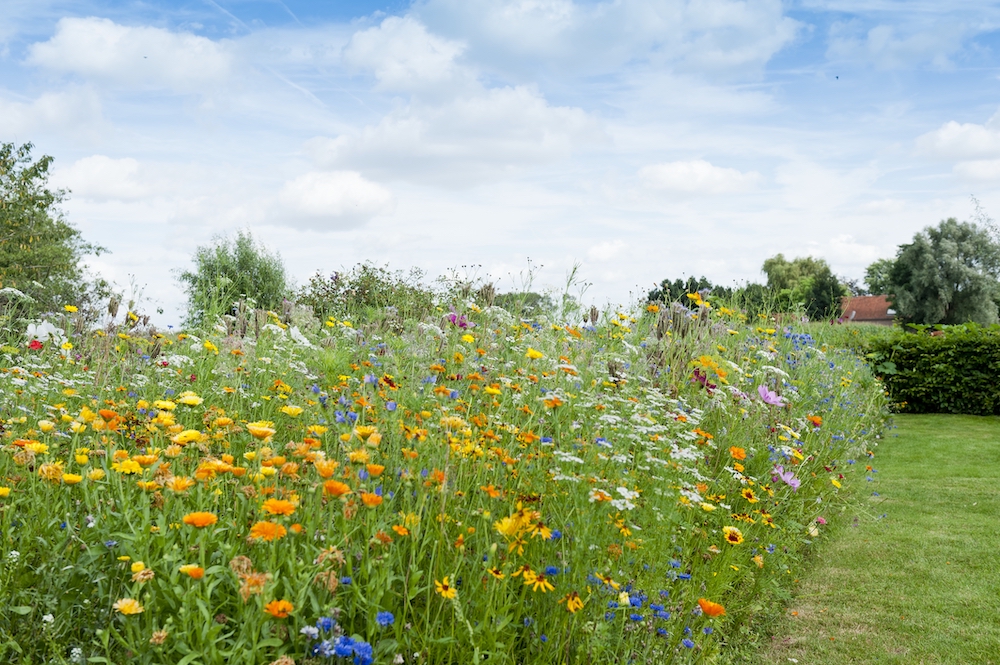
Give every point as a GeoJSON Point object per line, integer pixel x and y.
{"type": "Point", "coordinates": [200, 519]}
{"type": "Point", "coordinates": [711, 609]}
{"type": "Point", "coordinates": [371, 500]}
{"type": "Point", "coordinates": [278, 507]}
{"type": "Point", "coordinates": [336, 488]}
{"type": "Point", "coordinates": [193, 571]}
{"type": "Point", "coordinates": [267, 531]}
{"type": "Point", "coordinates": [279, 609]}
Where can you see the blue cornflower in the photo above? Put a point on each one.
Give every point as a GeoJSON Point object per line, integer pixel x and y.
{"type": "Point", "coordinates": [453, 394]}
{"type": "Point", "coordinates": [609, 616]}
{"type": "Point", "coordinates": [544, 638]}
{"type": "Point", "coordinates": [661, 614]}
{"type": "Point", "coordinates": [385, 619]}
{"type": "Point", "coordinates": [390, 406]}
{"type": "Point", "coordinates": [312, 632]}
{"type": "Point", "coordinates": [770, 549]}
{"type": "Point", "coordinates": [546, 439]}
{"type": "Point", "coordinates": [345, 580]}
{"type": "Point", "coordinates": [655, 607]}
{"type": "Point", "coordinates": [707, 630]}
{"type": "Point", "coordinates": [110, 543]}
{"type": "Point", "coordinates": [612, 604]}
{"type": "Point", "coordinates": [635, 601]}
{"type": "Point", "coordinates": [556, 534]}
{"type": "Point", "coordinates": [551, 570]}
{"type": "Point", "coordinates": [662, 632]}
{"type": "Point", "coordinates": [688, 643]}
{"type": "Point", "coordinates": [325, 624]}
{"type": "Point", "coordinates": [352, 416]}
{"type": "Point", "coordinates": [343, 647]}
{"type": "Point", "coordinates": [635, 617]}
{"type": "Point", "coordinates": [324, 649]}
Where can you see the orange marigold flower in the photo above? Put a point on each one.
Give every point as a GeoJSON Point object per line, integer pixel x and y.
{"type": "Point", "coordinates": [200, 519]}
{"type": "Point", "coordinates": [279, 609]}
{"type": "Point", "coordinates": [325, 468]}
{"type": "Point", "coordinates": [180, 483]}
{"type": "Point", "coordinates": [371, 500]}
{"type": "Point", "coordinates": [336, 488]}
{"type": "Point", "coordinates": [193, 571]}
{"type": "Point", "coordinates": [267, 531]}
{"type": "Point", "coordinates": [711, 609]}
{"type": "Point", "coordinates": [375, 470]}
{"type": "Point", "coordinates": [737, 452]}
{"type": "Point", "coordinates": [278, 507]}
{"type": "Point", "coordinates": [400, 530]}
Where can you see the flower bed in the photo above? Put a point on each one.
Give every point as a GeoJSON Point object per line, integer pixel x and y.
{"type": "Point", "coordinates": [481, 488]}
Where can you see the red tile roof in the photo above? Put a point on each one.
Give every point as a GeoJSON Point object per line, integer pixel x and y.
{"type": "Point", "coordinates": [867, 309]}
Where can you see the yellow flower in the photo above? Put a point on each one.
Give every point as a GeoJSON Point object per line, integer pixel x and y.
{"type": "Point", "coordinates": [76, 427]}
{"type": "Point", "coordinates": [71, 478]}
{"type": "Point", "coordinates": [190, 398]}
{"type": "Point", "coordinates": [186, 437]}
{"type": "Point", "coordinates": [70, 308]}
{"type": "Point", "coordinates": [533, 354]}
{"type": "Point", "coordinates": [128, 606]}
{"type": "Point", "coordinates": [164, 405]}
{"type": "Point", "coordinates": [138, 566]}
{"type": "Point", "coordinates": [193, 571]}
{"type": "Point", "coordinates": [4, 491]}
{"type": "Point", "coordinates": [317, 430]}
{"type": "Point", "coordinates": [211, 347]}
{"type": "Point", "coordinates": [732, 535]}
{"type": "Point", "coordinates": [95, 474]}
{"type": "Point", "coordinates": [261, 429]}
{"type": "Point", "coordinates": [468, 339]}
{"type": "Point", "coordinates": [127, 467]}
{"type": "Point", "coordinates": [46, 425]}
{"type": "Point", "coordinates": [291, 410]}
{"type": "Point", "coordinates": [445, 589]}
{"type": "Point", "coordinates": [66, 346]}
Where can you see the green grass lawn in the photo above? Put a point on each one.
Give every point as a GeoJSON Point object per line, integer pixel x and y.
{"type": "Point", "coordinates": [917, 579]}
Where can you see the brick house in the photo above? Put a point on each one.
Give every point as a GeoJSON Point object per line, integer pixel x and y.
{"type": "Point", "coordinates": [867, 309]}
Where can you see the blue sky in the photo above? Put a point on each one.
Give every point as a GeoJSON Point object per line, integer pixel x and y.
{"type": "Point", "coordinates": [640, 139]}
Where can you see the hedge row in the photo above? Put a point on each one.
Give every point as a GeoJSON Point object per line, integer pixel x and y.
{"type": "Point", "coordinates": [955, 369]}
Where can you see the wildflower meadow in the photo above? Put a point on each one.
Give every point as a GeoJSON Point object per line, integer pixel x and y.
{"type": "Point", "coordinates": [635, 487]}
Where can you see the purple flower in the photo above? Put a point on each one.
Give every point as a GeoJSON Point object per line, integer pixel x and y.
{"type": "Point", "coordinates": [787, 476]}
{"type": "Point", "coordinates": [769, 397]}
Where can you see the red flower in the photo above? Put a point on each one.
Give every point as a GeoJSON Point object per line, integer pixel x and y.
{"type": "Point", "coordinates": [35, 345]}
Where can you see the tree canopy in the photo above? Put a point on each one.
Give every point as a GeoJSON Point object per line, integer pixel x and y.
{"type": "Point", "coordinates": [947, 275]}
{"type": "Point", "coordinates": [805, 281]}
{"type": "Point", "coordinates": [40, 251]}
{"type": "Point", "coordinates": [230, 269]}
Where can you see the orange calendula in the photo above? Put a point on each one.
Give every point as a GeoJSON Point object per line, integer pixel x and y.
{"type": "Point", "coordinates": [336, 488]}
{"type": "Point", "coordinates": [279, 609]}
{"type": "Point", "coordinates": [268, 531]}
{"type": "Point", "coordinates": [711, 609]}
{"type": "Point", "coordinates": [200, 519]}
{"type": "Point", "coordinates": [278, 507]}
{"type": "Point", "coordinates": [371, 500]}
{"type": "Point", "coordinates": [193, 571]}
{"type": "Point", "coordinates": [737, 453]}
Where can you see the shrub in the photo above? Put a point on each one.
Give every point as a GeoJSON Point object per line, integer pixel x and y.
{"type": "Point", "coordinates": [953, 370]}
{"type": "Point", "coordinates": [366, 291]}
{"type": "Point", "coordinates": [231, 269]}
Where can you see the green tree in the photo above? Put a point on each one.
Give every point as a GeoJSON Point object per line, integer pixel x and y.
{"type": "Point", "coordinates": [877, 276]}
{"type": "Point", "coordinates": [526, 304]}
{"type": "Point", "coordinates": [948, 275]}
{"type": "Point", "coordinates": [228, 270]}
{"type": "Point", "coordinates": [805, 281]}
{"type": "Point", "coordinates": [40, 251]}
{"type": "Point", "coordinates": [676, 290]}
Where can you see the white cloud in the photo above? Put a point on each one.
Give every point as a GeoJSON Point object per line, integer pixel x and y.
{"type": "Point", "coordinates": [463, 141]}
{"type": "Point", "coordinates": [404, 56]}
{"type": "Point", "coordinates": [77, 110]}
{"type": "Point", "coordinates": [981, 169]}
{"type": "Point", "coordinates": [605, 251]}
{"type": "Point", "coordinates": [700, 35]}
{"type": "Point", "coordinates": [896, 46]}
{"type": "Point", "coordinates": [332, 200]}
{"type": "Point", "coordinates": [697, 177]}
{"type": "Point", "coordinates": [100, 49]}
{"type": "Point", "coordinates": [101, 178]}
{"type": "Point", "coordinates": [959, 141]}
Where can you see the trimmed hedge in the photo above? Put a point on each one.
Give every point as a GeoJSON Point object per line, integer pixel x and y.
{"type": "Point", "coordinates": [955, 370]}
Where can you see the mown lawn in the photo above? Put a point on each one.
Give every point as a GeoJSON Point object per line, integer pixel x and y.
{"type": "Point", "coordinates": [917, 578]}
